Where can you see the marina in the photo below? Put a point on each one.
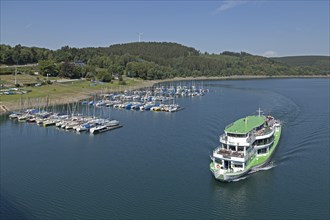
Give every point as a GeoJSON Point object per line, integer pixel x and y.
{"type": "Point", "coordinates": [81, 116]}
{"type": "Point", "coordinates": [159, 98]}
{"type": "Point", "coordinates": [77, 123]}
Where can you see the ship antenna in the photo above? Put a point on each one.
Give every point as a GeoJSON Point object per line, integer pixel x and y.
{"type": "Point", "coordinates": [259, 112]}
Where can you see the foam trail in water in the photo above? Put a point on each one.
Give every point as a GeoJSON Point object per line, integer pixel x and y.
{"type": "Point", "coordinates": [269, 166]}
{"type": "Point", "coordinates": [239, 179]}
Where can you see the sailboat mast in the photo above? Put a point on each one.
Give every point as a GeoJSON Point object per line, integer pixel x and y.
{"type": "Point", "coordinates": [15, 82]}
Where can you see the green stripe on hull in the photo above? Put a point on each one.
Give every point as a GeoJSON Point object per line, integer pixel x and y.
{"type": "Point", "coordinates": [260, 160]}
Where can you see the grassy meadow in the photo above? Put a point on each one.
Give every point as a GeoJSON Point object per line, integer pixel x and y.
{"type": "Point", "coordinates": [60, 92]}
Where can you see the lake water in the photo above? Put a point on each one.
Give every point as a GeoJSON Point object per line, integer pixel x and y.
{"type": "Point", "coordinates": [157, 165]}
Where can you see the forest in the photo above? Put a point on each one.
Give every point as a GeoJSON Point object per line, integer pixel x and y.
{"type": "Point", "coordinates": [153, 60]}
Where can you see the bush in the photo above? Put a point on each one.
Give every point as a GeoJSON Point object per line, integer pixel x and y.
{"type": "Point", "coordinates": [122, 82]}
{"type": "Point", "coordinates": [104, 76]}
{"type": "Point", "coordinates": [6, 71]}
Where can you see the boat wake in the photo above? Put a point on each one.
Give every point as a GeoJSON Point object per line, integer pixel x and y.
{"type": "Point", "coordinates": [241, 178]}
{"type": "Point", "coordinates": [269, 166]}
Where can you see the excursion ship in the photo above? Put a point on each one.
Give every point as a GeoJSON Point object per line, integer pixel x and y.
{"type": "Point", "coordinates": [246, 145]}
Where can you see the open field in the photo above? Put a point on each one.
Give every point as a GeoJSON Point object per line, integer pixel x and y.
{"type": "Point", "coordinates": [60, 93]}
{"type": "Point", "coordinates": [20, 78]}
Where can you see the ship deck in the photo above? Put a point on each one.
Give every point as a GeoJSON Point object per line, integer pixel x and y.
{"type": "Point", "coordinates": [230, 153]}
{"type": "Point", "coordinates": [244, 125]}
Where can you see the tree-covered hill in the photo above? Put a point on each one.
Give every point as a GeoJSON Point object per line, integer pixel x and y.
{"type": "Point", "coordinates": [152, 60]}
{"type": "Point", "coordinates": [320, 62]}
{"type": "Point", "coordinates": [151, 49]}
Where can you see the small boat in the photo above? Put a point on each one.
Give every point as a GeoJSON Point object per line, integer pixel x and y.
{"type": "Point", "coordinates": [100, 103]}
{"type": "Point", "coordinates": [136, 106]}
{"type": "Point", "coordinates": [40, 121]}
{"type": "Point", "coordinates": [156, 108]}
{"type": "Point", "coordinates": [112, 123]}
{"type": "Point", "coordinates": [23, 117]}
{"type": "Point", "coordinates": [15, 115]}
{"type": "Point", "coordinates": [49, 122]}
{"type": "Point", "coordinates": [32, 119]}
{"type": "Point", "coordinates": [71, 125]}
{"type": "Point", "coordinates": [107, 126]}
{"type": "Point", "coordinates": [147, 106]}
{"type": "Point", "coordinates": [128, 106]}
{"type": "Point", "coordinates": [174, 108]}
{"type": "Point", "coordinates": [83, 127]}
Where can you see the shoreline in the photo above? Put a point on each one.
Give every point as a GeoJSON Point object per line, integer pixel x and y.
{"type": "Point", "coordinates": [7, 107]}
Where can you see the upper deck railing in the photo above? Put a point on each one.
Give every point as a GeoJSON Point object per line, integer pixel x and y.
{"type": "Point", "coordinates": [229, 153]}
{"type": "Point", "coordinates": [237, 140]}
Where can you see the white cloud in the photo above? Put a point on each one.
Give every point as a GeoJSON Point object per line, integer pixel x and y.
{"type": "Point", "coordinates": [229, 4]}
{"type": "Point", "coordinates": [269, 53]}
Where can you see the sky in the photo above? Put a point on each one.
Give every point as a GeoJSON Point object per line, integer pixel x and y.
{"type": "Point", "coordinates": [262, 27]}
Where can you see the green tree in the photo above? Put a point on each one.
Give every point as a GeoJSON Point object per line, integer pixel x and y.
{"type": "Point", "coordinates": [47, 67]}
{"type": "Point", "coordinates": [6, 55]}
{"type": "Point", "coordinates": [104, 76]}
{"type": "Point", "coordinates": [69, 70]}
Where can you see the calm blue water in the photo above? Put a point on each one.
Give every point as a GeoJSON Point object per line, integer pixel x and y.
{"type": "Point", "coordinates": [157, 165]}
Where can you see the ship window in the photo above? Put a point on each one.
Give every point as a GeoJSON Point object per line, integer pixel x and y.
{"type": "Point", "coordinates": [237, 135]}
{"type": "Point", "coordinates": [238, 165]}
{"type": "Point", "coordinates": [240, 148]}
{"type": "Point", "coordinates": [218, 161]}
{"type": "Point", "coordinates": [232, 148]}
{"type": "Point", "coordinates": [262, 151]}
{"type": "Point", "coordinates": [264, 141]}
